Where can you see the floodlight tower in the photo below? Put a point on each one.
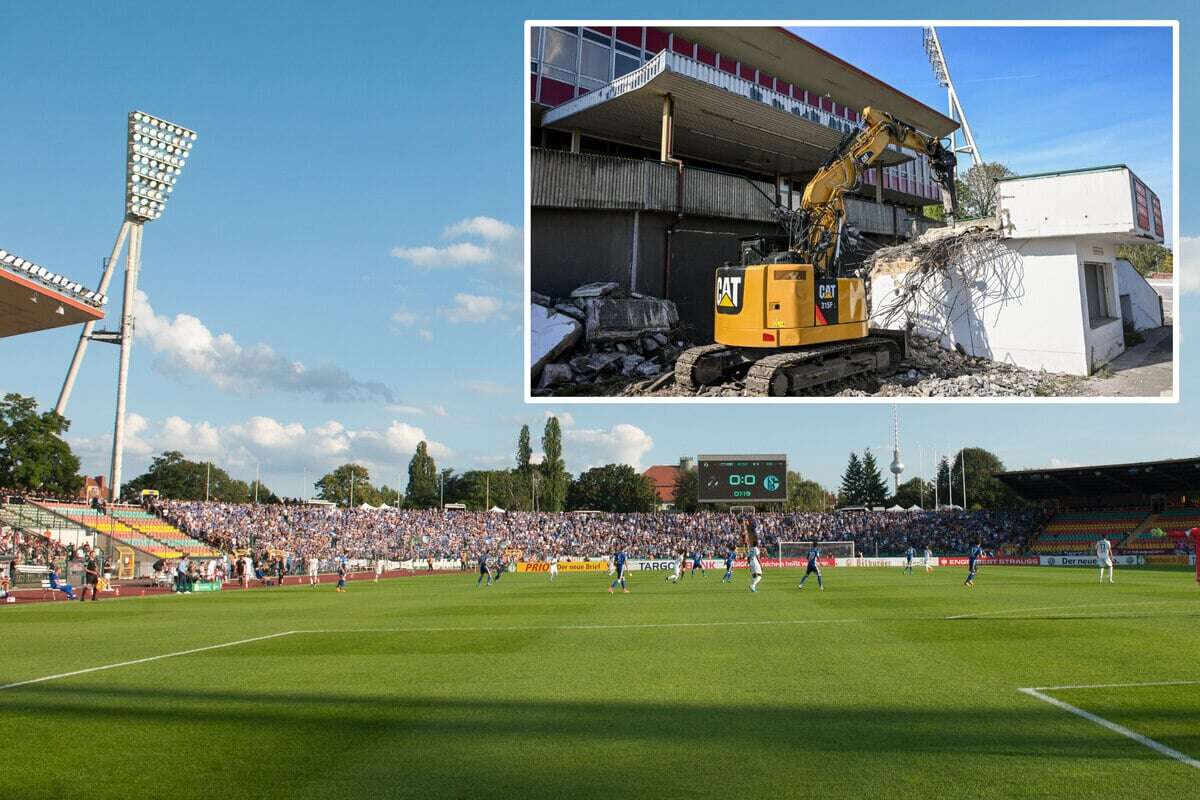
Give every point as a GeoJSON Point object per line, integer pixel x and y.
{"type": "Point", "coordinates": [937, 59]}
{"type": "Point", "coordinates": [897, 466]}
{"type": "Point", "coordinates": [157, 151]}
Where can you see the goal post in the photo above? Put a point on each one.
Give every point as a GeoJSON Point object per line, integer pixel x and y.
{"type": "Point", "coordinates": [798, 550]}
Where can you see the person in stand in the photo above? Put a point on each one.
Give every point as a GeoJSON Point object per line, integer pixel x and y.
{"type": "Point", "coordinates": [279, 570]}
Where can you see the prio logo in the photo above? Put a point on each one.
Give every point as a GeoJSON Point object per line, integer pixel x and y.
{"type": "Point", "coordinates": [729, 294]}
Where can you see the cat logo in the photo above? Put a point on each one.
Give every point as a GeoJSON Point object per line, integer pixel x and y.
{"type": "Point", "coordinates": [729, 293]}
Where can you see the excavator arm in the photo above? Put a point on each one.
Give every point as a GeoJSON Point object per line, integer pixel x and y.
{"type": "Point", "coordinates": [822, 206]}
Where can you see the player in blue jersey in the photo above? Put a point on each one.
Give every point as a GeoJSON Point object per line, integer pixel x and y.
{"type": "Point", "coordinates": [730, 554]}
{"type": "Point", "coordinates": [484, 570]}
{"type": "Point", "coordinates": [973, 563]}
{"type": "Point", "coordinates": [618, 563]}
{"type": "Point", "coordinates": [343, 570]}
{"type": "Point", "coordinates": [909, 554]}
{"type": "Point", "coordinates": [813, 568]}
{"type": "Point", "coordinates": [697, 564]}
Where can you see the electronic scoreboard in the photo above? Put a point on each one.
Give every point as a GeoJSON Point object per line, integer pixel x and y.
{"type": "Point", "coordinates": [747, 478]}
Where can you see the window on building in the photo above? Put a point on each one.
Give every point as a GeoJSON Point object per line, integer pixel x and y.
{"type": "Point", "coordinates": [1096, 287]}
{"type": "Point", "coordinates": [535, 43]}
{"type": "Point", "coordinates": [623, 64]}
{"type": "Point", "coordinates": [560, 54]}
{"type": "Point", "coordinates": [594, 64]}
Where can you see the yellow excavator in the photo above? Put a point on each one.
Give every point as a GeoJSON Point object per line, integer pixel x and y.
{"type": "Point", "coordinates": [787, 320]}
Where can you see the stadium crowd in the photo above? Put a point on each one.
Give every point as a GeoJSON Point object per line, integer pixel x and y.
{"type": "Point", "coordinates": [28, 548]}
{"type": "Point", "coordinates": [323, 532]}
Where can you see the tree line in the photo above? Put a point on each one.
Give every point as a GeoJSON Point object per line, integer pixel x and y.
{"type": "Point", "coordinates": [35, 458]}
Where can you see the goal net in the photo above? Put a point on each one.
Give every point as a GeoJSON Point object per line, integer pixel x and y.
{"type": "Point", "coordinates": [799, 550]}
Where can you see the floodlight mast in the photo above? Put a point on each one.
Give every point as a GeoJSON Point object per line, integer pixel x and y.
{"type": "Point", "coordinates": [157, 151]}
{"type": "Point", "coordinates": [937, 60]}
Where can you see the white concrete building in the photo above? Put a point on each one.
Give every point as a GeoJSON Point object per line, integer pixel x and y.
{"type": "Point", "coordinates": [1047, 295]}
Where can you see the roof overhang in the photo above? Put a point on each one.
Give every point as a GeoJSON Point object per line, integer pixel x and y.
{"type": "Point", "coordinates": [1145, 478]}
{"type": "Point", "coordinates": [793, 58]}
{"type": "Point", "coordinates": [719, 118]}
{"type": "Point", "coordinates": [27, 305]}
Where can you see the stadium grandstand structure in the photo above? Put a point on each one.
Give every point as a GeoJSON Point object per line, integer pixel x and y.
{"type": "Point", "coordinates": [134, 527]}
{"type": "Point", "coordinates": [1078, 531]}
{"type": "Point", "coordinates": [32, 298]}
{"type": "Point", "coordinates": [1124, 503]}
{"type": "Point", "coordinates": [1174, 523]}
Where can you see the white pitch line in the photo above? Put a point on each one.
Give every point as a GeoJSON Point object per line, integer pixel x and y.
{"type": "Point", "coordinates": [1114, 685]}
{"type": "Point", "coordinates": [622, 626]}
{"type": "Point", "coordinates": [1060, 608]}
{"type": "Point", "coordinates": [193, 650]}
{"type": "Point", "coordinates": [1158, 747]}
{"type": "Point", "coordinates": [61, 675]}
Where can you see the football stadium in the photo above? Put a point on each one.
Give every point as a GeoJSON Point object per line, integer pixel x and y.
{"type": "Point", "coordinates": [333, 650]}
{"type": "Point", "coordinates": [303, 559]}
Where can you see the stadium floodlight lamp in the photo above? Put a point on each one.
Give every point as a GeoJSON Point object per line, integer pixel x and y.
{"type": "Point", "coordinates": [158, 152]}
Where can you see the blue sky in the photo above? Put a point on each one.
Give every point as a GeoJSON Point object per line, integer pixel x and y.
{"type": "Point", "coordinates": [341, 154]}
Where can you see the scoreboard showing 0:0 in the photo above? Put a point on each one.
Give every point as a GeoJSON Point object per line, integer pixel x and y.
{"type": "Point", "coordinates": [753, 479]}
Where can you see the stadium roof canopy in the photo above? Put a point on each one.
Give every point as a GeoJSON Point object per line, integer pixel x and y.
{"type": "Point", "coordinates": [1145, 478]}
{"type": "Point", "coordinates": [727, 119]}
{"type": "Point", "coordinates": [28, 304]}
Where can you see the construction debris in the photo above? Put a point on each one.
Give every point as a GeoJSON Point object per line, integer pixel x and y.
{"type": "Point", "coordinates": [601, 335]}
{"type": "Point", "coordinates": [550, 335]}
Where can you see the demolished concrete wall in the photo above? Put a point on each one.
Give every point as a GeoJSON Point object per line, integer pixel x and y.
{"type": "Point", "coordinates": [1018, 302]}
{"type": "Point", "coordinates": [1141, 306]}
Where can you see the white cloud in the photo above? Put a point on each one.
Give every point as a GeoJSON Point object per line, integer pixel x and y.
{"type": "Point", "coordinates": [184, 344]}
{"type": "Point", "coordinates": [454, 255]}
{"type": "Point", "coordinates": [425, 334]}
{"type": "Point", "coordinates": [620, 444]}
{"type": "Point", "coordinates": [473, 308]}
{"type": "Point", "coordinates": [1189, 263]}
{"type": "Point", "coordinates": [487, 228]}
{"type": "Point", "coordinates": [438, 411]}
{"type": "Point", "coordinates": [502, 246]}
{"type": "Point", "coordinates": [1062, 463]}
{"type": "Point", "coordinates": [486, 387]}
{"type": "Point", "coordinates": [404, 318]}
{"type": "Point", "coordinates": [284, 446]}
{"type": "Point", "coordinates": [565, 420]}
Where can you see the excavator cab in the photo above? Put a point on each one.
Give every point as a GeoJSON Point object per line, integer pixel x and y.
{"type": "Point", "coordinates": [786, 319]}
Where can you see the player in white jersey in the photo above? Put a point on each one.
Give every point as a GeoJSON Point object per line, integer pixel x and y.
{"type": "Point", "coordinates": [1104, 559]}
{"type": "Point", "coordinates": [312, 563]}
{"type": "Point", "coordinates": [755, 567]}
{"type": "Point", "coordinates": [677, 568]}
{"type": "Point", "coordinates": [553, 566]}
{"type": "Point", "coordinates": [928, 559]}
{"type": "Point", "coordinates": [379, 566]}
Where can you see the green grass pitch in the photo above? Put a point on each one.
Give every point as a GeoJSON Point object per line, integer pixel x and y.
{"type": "Point", "coordinates": [880, 686]}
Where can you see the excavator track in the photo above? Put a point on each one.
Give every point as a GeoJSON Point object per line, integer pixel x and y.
{"type": "Point", "coordinates": [796, 372]}
{"type": "Point", "coordinates": [707, 357]}
{"type": "Point", "coordinates": [772, 373]}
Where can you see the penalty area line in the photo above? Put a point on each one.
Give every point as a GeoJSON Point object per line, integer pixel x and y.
{"type": "Point", "coordinates": [1145, 741]}
{"type": "Point", "coordinates": [145, 660]}
{"type": "Point", "coordinates": [1119, 604]}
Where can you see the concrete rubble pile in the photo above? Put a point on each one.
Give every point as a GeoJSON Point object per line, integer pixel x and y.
{"type": "Point", "coordinates": [600, 334]}
{"type": "Point", "coordinates": [931, 371]}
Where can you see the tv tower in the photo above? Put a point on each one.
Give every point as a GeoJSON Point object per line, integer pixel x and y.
{"type": "Point", "coordinates": [897, 465]}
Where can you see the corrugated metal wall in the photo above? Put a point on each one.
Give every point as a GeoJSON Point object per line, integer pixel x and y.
{"type": "Point", "coordinates": [561, 179]}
